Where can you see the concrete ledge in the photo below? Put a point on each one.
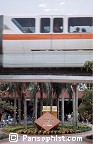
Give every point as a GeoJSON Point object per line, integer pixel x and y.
{"type": "Point", "coordinates": [88, 140]}
{"type": "Point", "coordinates": [4, 140]}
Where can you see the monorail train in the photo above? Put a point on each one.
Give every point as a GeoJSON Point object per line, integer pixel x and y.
{"type": "Point", "coordinates": [47, 40]}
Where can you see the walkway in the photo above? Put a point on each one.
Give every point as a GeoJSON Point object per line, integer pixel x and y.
{"type": "Point", "coordinates": [65, 137]}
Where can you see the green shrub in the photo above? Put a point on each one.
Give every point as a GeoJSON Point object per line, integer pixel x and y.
{"type": "Point", "coordinates": [13, 128]}
{"type": "Point", "coordinates": [3, 136]}
{"type": "Point", "coordinates": [84, 128]}
{"type": "Point", "coordinates": [35, 131]}
{"type": "Point", "coordinates": [81, 127]}
{"type": "Point", "coordinates": [68, 129]}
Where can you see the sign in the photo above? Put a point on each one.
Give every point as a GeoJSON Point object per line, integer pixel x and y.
{"type": "Point", "coordinates": [47, 121]}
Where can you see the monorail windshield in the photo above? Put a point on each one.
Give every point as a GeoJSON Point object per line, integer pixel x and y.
{"type": "Point", "coordinates": [26, 25]}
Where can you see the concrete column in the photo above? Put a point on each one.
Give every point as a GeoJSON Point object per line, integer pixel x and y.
{"type": "Point", "coordinates": [75, 105]}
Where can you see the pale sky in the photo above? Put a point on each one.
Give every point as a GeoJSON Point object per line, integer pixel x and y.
{"type": "Point", "coordinates": [25, 7]}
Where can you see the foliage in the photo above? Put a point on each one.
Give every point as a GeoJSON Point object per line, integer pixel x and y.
{"type": "Point", "coordinates": [16, 86]}
{"type": "Point", "coordinates": [33, 88]}
{"type": "Point", "coordinates": [8, 86]}
{"type": "Point", "coordinates": [85, 108]}
{"type": "Point", "coordinates": [81, 127]}
{"type": "Point", "coordinates": [13, 128]}
{"type": "Point", "coordinates": [68, 129]}
{"type": "Point", "coordinates": [3, 136]}
{"type": "Point", "coordinates": [44, 132]}
{"type": "Point", "coordinates": [12, 90]}
{"type": "Point", "coordinates": [69, 91]}
{"type": "Point", "coordinates": [88, 65]}
{"type": "Point", "coordinates": [6, 105]}
{"type": "Point", "coordinates": [57, 88]}
{"type": "Point", "coordinates": [84, 128]}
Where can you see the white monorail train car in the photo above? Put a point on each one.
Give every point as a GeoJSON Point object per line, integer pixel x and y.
{"type": "Point", "coordinates": [50, 39]}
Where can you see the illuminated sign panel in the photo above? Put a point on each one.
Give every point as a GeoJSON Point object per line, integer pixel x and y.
{"type": "Point", "coordinates": [47, 121]}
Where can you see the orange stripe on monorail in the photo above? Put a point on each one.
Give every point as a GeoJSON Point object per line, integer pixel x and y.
{"type": "Point", "coordinates": [45, 36]}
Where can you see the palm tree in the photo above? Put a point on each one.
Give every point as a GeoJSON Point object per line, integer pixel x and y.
{"type": "Point", "coordinates": [43, 88]}
{"type": "Point", "coordinates": [25, 87]}
{"type": "Point", "coordinates": [6, 105]}
{"type": "Point", "coordinates": [62, 107]}
{"type": "Point", "coordinates": [11, 88]}
{"type": "Point", "coordinates": [33, 88]}
{"type": "Point", "coordinates": [16, 90]}
{"type": "Point", "coordinates": [63, 88]}
{"type": "Point", "coordinates": [15, 106]}
{"type": "Point", "coordinates": [50, 96]}
{"type": "Point", "coordinates": [57, 88]}
{"type": "Point", "coordinates": [41, 97]}
{"type": "Point", "coordinates": [88, 65]}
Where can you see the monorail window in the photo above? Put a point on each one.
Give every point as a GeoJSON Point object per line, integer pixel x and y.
{"type": "Point", "coordinates": [26, 25]}
{"type": "Point", "coordinates": [58, 25]}
{"type": "Point", "coordinates": [80, 25]}
{"type": "Point", "coordinates": [45, 25]}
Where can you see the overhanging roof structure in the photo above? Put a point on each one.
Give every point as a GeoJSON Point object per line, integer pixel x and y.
{"type": "Point", "coordinates": [46, 78]}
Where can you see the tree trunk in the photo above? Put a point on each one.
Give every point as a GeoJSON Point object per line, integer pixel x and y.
{"type": "Point", "coordinates": [41, 99]}
{"type": "Point", "coordinates": [25, 113]}
{"type": "Point", "coordinates": [14, 95]}
{"type": "Point", "coordinates": [74, 111]}
{"type": "Point", "coordinates": [19, 109]}
{"type": "Point", "coordinates": [51, 104]}
{"type": "Point", "coordinates": [62, 111]}
{"type": "Point", "coordinates": [36, 108]}
{"type": "Point", "coordinates": [57, 107]}
{"type": "Point", "coordinates": [34, 105]}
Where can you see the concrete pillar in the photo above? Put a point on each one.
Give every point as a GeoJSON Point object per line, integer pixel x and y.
{"type": "Point", "coordinates": [75, 105]}
{"type": "Point", "coordinates": [74, 112]}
